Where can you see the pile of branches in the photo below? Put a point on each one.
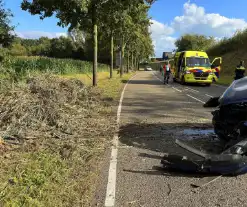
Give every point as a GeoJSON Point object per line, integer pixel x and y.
{"type": "Point", "coordinates": [48, 108]}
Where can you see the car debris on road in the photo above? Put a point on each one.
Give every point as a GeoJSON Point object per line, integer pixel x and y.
{"type": "Point", "coordinates": [230, 125]}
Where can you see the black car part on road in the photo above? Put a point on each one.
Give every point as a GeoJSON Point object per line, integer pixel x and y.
{"type": "Point", "coordinates": [231, 161]}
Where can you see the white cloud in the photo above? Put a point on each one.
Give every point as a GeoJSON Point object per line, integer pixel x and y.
{"type": "Point", "coordinates": [193, 20]}
{"type": "Point", "coordinates": [38, 34]}
{"type": "Point", "coordinates": [196, 20]}
{"type": "Point", "coordinates": [162, 40]}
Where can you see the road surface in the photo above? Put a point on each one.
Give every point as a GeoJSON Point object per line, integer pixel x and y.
{"type": "Point", "coordinates": [153, 116]}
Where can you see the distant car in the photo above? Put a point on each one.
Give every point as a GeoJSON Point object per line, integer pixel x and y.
{"type": "Point", "coordinates": [148, 68]}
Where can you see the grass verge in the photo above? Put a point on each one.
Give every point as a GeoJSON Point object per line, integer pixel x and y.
{"type": "Point", "coordinates": [53, 131]}
{"type": "Point", "coordinates": [225, 80]}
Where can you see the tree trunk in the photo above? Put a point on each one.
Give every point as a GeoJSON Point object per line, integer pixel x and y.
{"type": "Point", "coordinates": [122, 58]}
{"type": "Point", "coordinates": [132, 60]}
{"type": "Point", "coordinates": [135, 63]}
{"type": "Point", "coordinates": [112, 55]}
{"type": "Point", "coordinates": [95, 45]}
{"type": "Point", "coordinates": [128, 61]}
{"type": "Point", "coordinates": [138, 63]}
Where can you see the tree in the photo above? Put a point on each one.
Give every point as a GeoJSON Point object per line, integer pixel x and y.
{"type": "Point", "coordinates": [62, 47]}
{"type": "Point", "coordinates": [17, 49]}
{"type": "Point", "coordinates": [82, 14]}
{"type": "Point", "coordinates": [119, 20]}
{"type": "Point", "coordinates": [5, 28]}
{"type": "Point", "coordinates": [194, 42]}
{"type": "Point", "coordinates": [73, 13]}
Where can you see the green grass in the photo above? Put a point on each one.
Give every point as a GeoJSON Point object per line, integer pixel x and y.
{"type": "Point", "coordinates": [33, 180]}
{"type": "Point", "coordinates": [26, 66]}
{"type": "Point", "coordinates": [109, 87]}
{"type": "Point", "coordinates": [34, 176]}
{"type": "Point", "coordinates": [225, 80]}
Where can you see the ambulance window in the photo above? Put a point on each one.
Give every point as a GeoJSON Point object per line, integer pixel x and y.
{"type": "Point", "coordinates": [197, 62]}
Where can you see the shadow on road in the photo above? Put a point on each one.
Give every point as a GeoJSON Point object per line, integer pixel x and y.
{"type": "Point", "coordinates": [165, 172]}
{"type": "Point", "coordinates": [143, 82]}
{"type": "Point", "coordinates": [159, 139]}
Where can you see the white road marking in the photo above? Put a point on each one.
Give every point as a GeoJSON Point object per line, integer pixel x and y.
{"type": "Point", "coordinates": [182, 91]}
{"type": "Point", "coordinates": [112, 175]}
{"type": "Point", "coordinates": [195, 98]}
{"type": "Point", "coordinates": [209, 96]}
{"type": "Point", "coordinates": [192, 89]}
{"type": "Point", "coordinates": [177, 89]}
{"type": "Point", "coordinates": [157, 77]}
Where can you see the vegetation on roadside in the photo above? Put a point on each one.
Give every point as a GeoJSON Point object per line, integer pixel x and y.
{"type": "Point", "coordinates": [232, 50]}
{"type": "Point", "coordinates": [54, 127]}
{"type": "Point", "coordinates": [54, 130]}
{"type": "Point", "coordinates": [17, 68]}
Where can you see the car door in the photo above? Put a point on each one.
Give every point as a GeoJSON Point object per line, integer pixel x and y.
{"type": "Point", "coordinates": [180, 65]}
{"type": "Point", "coordinates": [216, 67]}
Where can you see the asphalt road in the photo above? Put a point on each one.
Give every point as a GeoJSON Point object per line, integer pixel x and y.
{"type": "Point", "coordinates": [153, 116]}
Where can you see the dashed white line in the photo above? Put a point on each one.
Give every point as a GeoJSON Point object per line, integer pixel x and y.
{"type": "Point", "coordinates": [195, 98]}
{"type": "Point", "coordinates": [192, 90]}
{"type": "Point", "coordinates": [182, 91]}
{"type": "Point", "coordinates": [209, 96]}
{"type": "Point", "coordinates": [177, 89]}
{"type": "Point", "coordinates": [112, 175]}
{"type": "Point", "coordinates": [158, 78]}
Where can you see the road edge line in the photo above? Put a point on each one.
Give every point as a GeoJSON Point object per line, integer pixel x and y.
{"type": "Point", "coordinates": [112, 173]}
{"type": "Point", "coordinates": [195, 98]}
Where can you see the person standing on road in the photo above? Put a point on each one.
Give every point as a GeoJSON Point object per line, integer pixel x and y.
{"type": "Point", "coordinates": [167, 72]}
{"type": "Point", "coordinates": [240, 70]}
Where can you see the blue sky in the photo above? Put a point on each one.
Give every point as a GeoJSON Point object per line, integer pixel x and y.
{"type": "Point", "coordinates": [219, 18]}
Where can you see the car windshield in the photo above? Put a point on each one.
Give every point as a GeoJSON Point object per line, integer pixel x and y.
{"type": "Point", "coordinates": [197, 62]}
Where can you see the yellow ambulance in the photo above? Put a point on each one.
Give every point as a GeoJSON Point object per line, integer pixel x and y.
{"type": "Point", "coordinates": [195, 67]}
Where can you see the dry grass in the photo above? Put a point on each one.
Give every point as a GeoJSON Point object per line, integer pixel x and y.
{"type": "Point", "coordinates": [53, 131]}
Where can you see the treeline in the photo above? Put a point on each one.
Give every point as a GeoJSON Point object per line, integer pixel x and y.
{"type": "Point", "coordinates": [194, 42]}
{"type": "Point", "coordinates": [97, 30]}
{"type": "Point", "coordinates": [237, 42]}
{"type": "Point", "coordinates": [225, 45]}
{"type": "Point", "coordinates": [62, 47]}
